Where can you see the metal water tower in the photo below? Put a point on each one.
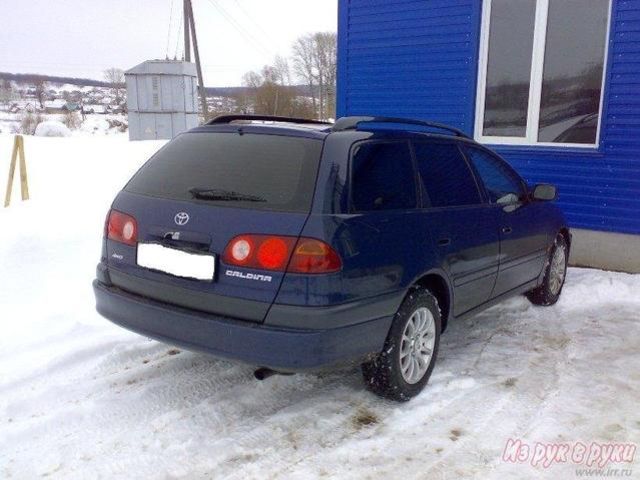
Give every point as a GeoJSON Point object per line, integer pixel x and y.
{"type": "Point", "coordinates": [162, 99]}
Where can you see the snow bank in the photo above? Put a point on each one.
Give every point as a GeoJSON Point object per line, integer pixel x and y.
{"type": "Point", "coordinates": [82, 398]}
{"type": "Point", "coordinates": [93, 124]}
{"type": "Point", "coordinates": [52, 128]}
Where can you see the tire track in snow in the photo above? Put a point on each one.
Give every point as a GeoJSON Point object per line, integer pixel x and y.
{"type": "Point", "coordinates": [501, 374]}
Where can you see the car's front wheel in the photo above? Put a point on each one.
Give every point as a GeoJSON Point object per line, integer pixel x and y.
{"type": "Point", "coordinates": [549, 291]}
{"type": "Point", "coordinates": [403, 368]}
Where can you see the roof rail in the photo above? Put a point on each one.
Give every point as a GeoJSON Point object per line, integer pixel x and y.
{"type": "Point", "coordinates": [263, 118]}
{"type": "Point", "coordinates": [352, 123]}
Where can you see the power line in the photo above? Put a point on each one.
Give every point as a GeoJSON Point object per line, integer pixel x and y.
{"type": "Point", "coordinates": [180, 23]}
{"type": "Point", "coordinates": [240, 29]}
{"type": "Point", "coordinates": [169, 29]}
{"type": "Point", "coordinates": [250, 17]}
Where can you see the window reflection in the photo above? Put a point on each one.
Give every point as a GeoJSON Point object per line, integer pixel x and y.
{"type": "Point", "coordinates": [509, 67]}
{"type": "Point", "coordinates": [573, 67]}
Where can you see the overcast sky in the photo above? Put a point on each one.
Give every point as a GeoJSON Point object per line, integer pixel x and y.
{"type": "Point", "coordinates": [81, 38]}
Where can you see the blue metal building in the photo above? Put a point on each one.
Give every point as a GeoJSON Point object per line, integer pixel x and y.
{"type": "Point", "coordinates": [552, 85]}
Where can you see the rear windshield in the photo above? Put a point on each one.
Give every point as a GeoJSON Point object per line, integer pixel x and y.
{"type": "Point", "coordinates": [266, 172]}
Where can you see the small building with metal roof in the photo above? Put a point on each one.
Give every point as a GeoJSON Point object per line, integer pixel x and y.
{"type": "Point", "coordinates": [161, 99]}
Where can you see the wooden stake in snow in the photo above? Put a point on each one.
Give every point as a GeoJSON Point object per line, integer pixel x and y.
{"type": "Point", "coordinates": [18, 147]}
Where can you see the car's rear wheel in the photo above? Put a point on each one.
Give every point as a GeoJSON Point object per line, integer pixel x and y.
{"type": "Point", "coordinates": [555, 273]}
{"type": "Point", "coordinates": [403, 368]}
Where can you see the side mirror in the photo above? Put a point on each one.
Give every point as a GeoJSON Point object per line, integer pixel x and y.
{"type": "Point", "coordinates": [508, 199]}
{"type": "Point", "coordinates": [545, 192]}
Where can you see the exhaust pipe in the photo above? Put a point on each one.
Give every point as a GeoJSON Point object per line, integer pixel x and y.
{"type": "Point", "coordinates": [263, 373]}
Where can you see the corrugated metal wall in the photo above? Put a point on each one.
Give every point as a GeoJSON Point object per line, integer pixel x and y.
{"type": "Point", "coordinates": [419, 58]}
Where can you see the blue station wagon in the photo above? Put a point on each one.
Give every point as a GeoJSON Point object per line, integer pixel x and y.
{"type": "Point", "coordinates": [296, 245]}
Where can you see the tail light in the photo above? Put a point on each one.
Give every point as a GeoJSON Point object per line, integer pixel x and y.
{"type": "Point", "coordinates": [314, 256]}
{"type": "Point", "coordinates": [122, 228]}
{"type": "Point", "coordinates": [280, 253]}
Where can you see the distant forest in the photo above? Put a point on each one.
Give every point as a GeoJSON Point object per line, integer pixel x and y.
{"type": "Point", "coordinates": [35, 77]}
{"type": "Point", "coordinates": [89, 82]}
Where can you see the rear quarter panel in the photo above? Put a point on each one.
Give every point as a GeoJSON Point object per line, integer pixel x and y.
{"type": "Point", "coordinates": [382, 252]}
{"type": "Point", "coordinates": [380, 256]}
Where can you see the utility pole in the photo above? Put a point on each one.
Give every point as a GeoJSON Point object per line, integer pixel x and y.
{"type": "Point", "coordinates": [190, 26]}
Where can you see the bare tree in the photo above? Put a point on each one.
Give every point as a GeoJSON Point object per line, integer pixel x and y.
{"type": "Point", "coordinates": [115, 78]}
{"type": "Point", "coordinates": [314, 60]}
{"type": "Point", "coordinates": [252, 80]}
{"type": "Point", "coordinates": [72, 120]}
{"type": "Point", "coordinates": [41, 88]}
{"type": "Point", "coordinates": [244, 101]}
{"type": "Point", "coordinates": [271, 91]}
{"type": "Point", "coordinates": [304, 64]}
{"type": "Point", "coordinates": [326, 64]}
{"type": "Point", "coordinates": [7, 93]}
{"type": "Point", "coordinates": [28, 122]}
{"type": "Point", "coordinates": [282, 70]}
{"type": "Point", "coordinates": [270, 95]}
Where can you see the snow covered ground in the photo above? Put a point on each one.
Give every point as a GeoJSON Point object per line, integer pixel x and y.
{"type": "Point", "coordinates": [82, 398]}
{"type": "Point", "coordinates": [94, 123]}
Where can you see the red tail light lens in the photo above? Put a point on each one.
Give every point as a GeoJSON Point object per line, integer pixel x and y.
{"type": "Point", "coordinates": [314, 256]}
{"type": "Point", "coordinates": [265, 252]}
{"type": "Point", "coordinates": [270, 252]}
{"type": "Point", "coordinates": [122, 228]}
{"type": "Point", "coordinates": [273, 253]}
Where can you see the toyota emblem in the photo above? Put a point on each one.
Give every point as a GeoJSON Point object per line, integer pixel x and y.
{"type": "Point", "coordinates": [181, 218]}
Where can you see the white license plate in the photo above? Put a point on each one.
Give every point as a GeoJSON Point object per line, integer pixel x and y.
{"type": "Point", "coordinates": [176, 262]}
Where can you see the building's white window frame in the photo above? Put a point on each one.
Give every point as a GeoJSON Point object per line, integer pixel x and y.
{"type": "Point", "coordinates": [535, 83]}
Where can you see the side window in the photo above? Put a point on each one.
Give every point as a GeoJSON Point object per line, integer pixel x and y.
{"type": "Point", "coordinates": [445, 176]}
{"type": "Point", "coordinates": [502, 184]}
{"type": "Point", "coordinates": [382, 177]}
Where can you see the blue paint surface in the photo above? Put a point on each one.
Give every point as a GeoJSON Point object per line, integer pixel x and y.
{"type": "Point", "coordinates": [419, 58]}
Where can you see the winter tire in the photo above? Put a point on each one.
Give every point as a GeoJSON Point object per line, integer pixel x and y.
{"type": "Point", "coordinates": [403, 368]}
{"type": "Point", "coordinates": [555, 272]}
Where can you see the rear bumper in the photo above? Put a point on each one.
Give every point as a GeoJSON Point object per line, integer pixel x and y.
{"type": "Point", "coordinates": [279, 348]}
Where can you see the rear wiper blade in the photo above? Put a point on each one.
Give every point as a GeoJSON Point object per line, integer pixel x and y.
{"type": "Point", "coordinates": [217, 194]}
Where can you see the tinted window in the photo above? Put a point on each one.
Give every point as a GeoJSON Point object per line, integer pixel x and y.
{"type": "Point", "coordinates": [382, 177]}
{"type": "Point", "coordinates": [277, 171]}
{"type": "Point", "coordinates": [568, 71]}
{"type": "Point", "coordinates": [573, 66]}
{"type": "Point", "coordinates": [501, 183]}
{"type": "Point", "coordinates": [509, 67]}
{"type": "Point", "coordinates": [445, 176]}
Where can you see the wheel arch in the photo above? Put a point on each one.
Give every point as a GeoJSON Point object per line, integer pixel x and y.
{"type": "Point", "coordinates": [437, 283]}
{"type": "Point", "coordinates": [566, 234]}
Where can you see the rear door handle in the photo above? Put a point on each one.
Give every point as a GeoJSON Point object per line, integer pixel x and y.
{"type": "Point", "coordinates": [443, 242]}
{"type": "Point", "coordinates": [507, 230]}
